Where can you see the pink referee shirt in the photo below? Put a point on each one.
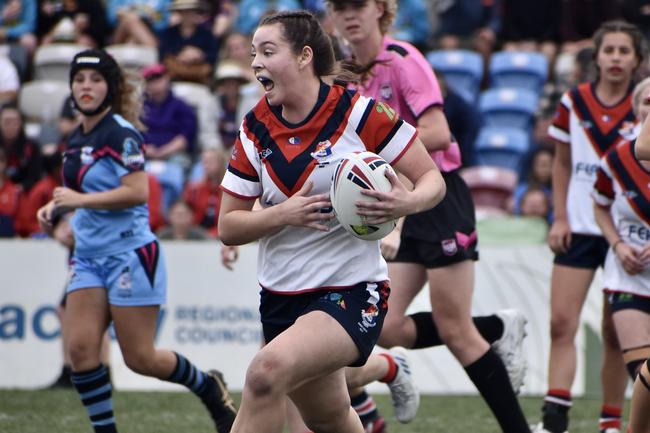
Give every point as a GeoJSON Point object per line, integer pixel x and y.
{"type": "Point", "coordinates": [407, 83]}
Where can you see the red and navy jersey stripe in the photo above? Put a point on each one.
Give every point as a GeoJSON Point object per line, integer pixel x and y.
{"type": "Point", "coordinates": [633, 179]}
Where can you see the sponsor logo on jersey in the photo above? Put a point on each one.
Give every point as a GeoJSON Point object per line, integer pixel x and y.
{"type": "Point", "coordinates": [636, 231]}
{"type": "Point", "coordinates": [628, 130]}
{"type": "Point", "coordinates": [132, 155]}
{"type": "Point", "coordinates": [294, 140]}
{"type": "Point", "coordinates": [264, 154]}
{"type": "Point", "coordinates": [323, 150]}
{"type": "Point", "coordinates": [586, 124]}
{"type": "Point", "coordinates": [631, 194]}
{"type": "Point", "coordinates": [449, 246]}
{"type": "Point", "coordinates": [586, 168]}
{"type": "Point", "coordinates": [87, 155]}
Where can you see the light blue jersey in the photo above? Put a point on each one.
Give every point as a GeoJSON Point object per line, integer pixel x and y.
{"type": "Point", "coordinates": [96, 162]}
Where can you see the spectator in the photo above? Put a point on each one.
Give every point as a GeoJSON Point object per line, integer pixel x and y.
{"type": "Point", "coordinates": [229, 78]}
{"type": "Point", "coordinates": [156, 217]}
{"type": "Point", "coordinates": [637, 12]}
{"type": "Point", "coordinates": [171, 123]}
{"type": "Point", "coordinates": [536, 203]}
{"type": "Point", "coordinates": [222, 13]}
{"type": "Point", "coordinates": [189, 50]}
{"type": "Point", "coordinates": [68, 119]}
{"type": "Point", "coordinates": [580, 20]}
{"type": "Point", "coordinates": [204, 196]}
{"type": "Point", "coordinates": [10, 200]}
{"type": "Point", "coordinates": [471, 24]}
{"type": "Point", "coordinates": [18, 23]}
{"type": "Point", "coordinates": [538, 177]}
{"type": "Point", "coordinates": [180, 225]}
{"type": "Point", "coordinates": [42, 191]}
{"type": "Point", "coordinates": [412, 24]}
{"type": "Point", "coordinates": [24, 166]}
{"type": "Point", "coordinates": [251, 11]}
{"type": "Point", "coordinates": [137, 21]}
{"type": "Point", "coordinates": [464, 122]}
{"type": "Point", "coordinates": [531, 26]}
{"type": "Point", "coordinates": [70, 21]}
{"type": "Point", "coordinates": [9, 81]}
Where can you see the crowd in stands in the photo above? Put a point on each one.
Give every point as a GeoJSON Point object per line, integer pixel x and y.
{"type": "Point", "coordinates": [194, 66]}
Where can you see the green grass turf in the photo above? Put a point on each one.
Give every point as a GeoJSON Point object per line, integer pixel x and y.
{"type": "Point", "coordinates": [164, 412]}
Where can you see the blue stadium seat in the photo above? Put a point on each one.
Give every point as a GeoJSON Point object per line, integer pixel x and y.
{"type": "Point", "coordinates": [509, 107]}
{"type": "Point", "coordinates": [461, 69]}
{"type": "Point", "coordinates": [520, 69]}
{"type": "Point", "coordinates": [171, 178]}
{"type": "Point", "coordinates": [502, 146]}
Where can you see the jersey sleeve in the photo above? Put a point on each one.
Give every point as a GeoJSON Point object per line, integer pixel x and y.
{"type": "Point", "coordinates": [419, 85]}
{"type": "Point", "coordinates": [559, 129]}
{"type": "Point", "coordinates": [242, 179]}
{"type": "Point", "coordinates": [603, 193]}
{"type": "Point", "coordinates": [383, 132]}
{"type": "Point", "coordinates": [127, 152]}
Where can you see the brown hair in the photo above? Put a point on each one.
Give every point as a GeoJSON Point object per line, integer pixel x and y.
{"type": "Point", "coordinates": [301, 29]}
{"type": "Point", "coordinates": [128, 100]}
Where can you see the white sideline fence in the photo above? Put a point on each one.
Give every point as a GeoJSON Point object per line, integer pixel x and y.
{"type": "Point", "coordinates": [212, 315]}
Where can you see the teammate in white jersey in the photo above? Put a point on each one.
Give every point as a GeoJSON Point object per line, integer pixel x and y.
{"type": "Point", "coordinates": [589, 120]}
{"type": "Point", "coordinates": [324, 293]}
{"type": "Point", "coordinates": [438, 246]}
{"type": "Point", "coordinates": [622, 198]}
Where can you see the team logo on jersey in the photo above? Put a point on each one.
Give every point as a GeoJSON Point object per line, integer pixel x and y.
{"type": "Point", "coordinates": [132, 156]}
{"type": "Point", "coordinates": [87, 155]}
{"type": "Point", "coordinates": [449, 247]}
{"type": "Point", "coordinates": [628, 130]}
{"type": "Point", "coordinates": [606, 118]}
{"type": "Point", "coordinates": [323, 150]}
{"type": "Point", "coordinates": [386, 91]}
{"type": "Point", "coordinates": [294, 140]}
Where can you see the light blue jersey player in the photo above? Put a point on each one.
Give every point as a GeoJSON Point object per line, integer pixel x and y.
{"type": "Point", "coordinates": [117, 271]}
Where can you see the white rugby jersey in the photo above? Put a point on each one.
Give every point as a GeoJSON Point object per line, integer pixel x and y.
{"type": "Point", "coordinates": [272, 160]}
{"type": "Point", "coordinates": [590, 128]}
{"type": "Point", "coordinates": [623, 186]}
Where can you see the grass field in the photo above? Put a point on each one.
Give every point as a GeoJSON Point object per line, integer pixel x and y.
{"type": "Point", "coordinates": [160, 412]}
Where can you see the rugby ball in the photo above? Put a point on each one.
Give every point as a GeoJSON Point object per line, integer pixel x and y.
{"type": "Point", "coordinates": [354, 173]}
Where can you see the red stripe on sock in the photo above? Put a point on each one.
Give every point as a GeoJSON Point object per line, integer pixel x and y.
{"type": "Point", "coordinates": [392, 369]}
{"type": "Point", "coordinates": [611, 410]}
{"type": "Point", "coordinates": [610, 424]}
{"type": "Point", "coordinates": [560, 393]}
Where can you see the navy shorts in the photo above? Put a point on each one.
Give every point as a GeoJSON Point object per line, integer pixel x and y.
{"type": "Point", "coordinates": [360, 310]}
{"type": "Point", "coordinates": [585, 251]}
{"type": "Point", "coordinates": [132, 278]}
{"type": "Point", "coordinates": [628, 301]}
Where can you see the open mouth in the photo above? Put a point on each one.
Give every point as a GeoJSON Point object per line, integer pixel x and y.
{"type": "Point", "coordinates": [266, 83]}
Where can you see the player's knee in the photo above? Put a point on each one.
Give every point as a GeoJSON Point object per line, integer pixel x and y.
{"type": "Point", "coordinates": [610, 339]}
{"type": "Point", "coordinates": [391, 335]}
{"type": "Point", "coordinates": [563, 327]}
{"type": "Point", "coordinates": [81, 351]}
{"type": "Point", "coordinates": [138, 362]}
{"type": "Point", "coordinates": [264, 375]}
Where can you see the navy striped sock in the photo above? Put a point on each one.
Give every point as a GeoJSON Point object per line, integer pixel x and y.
{"type": "Point", "coordinates": [187, 374]}
{"type": "Point", "coordinates": [94, 387]}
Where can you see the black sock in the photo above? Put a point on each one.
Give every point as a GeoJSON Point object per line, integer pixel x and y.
{"type": "Point", "coordinates": [555, 417]}
{"type": "Point", "coordinates": [426, 331]}
{"type": "Point", "coordinates": [491, 379]}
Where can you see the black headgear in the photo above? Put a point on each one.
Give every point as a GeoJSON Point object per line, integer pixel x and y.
{"type": "Point", "coordinates": [106, 65]}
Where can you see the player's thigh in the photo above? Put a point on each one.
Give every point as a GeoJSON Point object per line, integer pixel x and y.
{"type": "Point", "coordinates": [406, 281]}
{"type": "Point", "coordinates": [87, 316]}
{"type": "Point", "coordinates": [450, 292]}
{"type": "Point", "coordinates": [632, 328]}
{"type": "Point", "coordinates": [135, 328]}
{"type": "Point", "coordinates": [569, 287]}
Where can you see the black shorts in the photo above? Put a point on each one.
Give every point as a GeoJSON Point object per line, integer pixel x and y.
{"type": "Point", "coordinates": [585, 251]}
{"type": "Point", "coordinates": [454, 215]}
{"type": "Point", "coordinates": [445, 234]}
{"type": "Point", "coordinates": [351, 308]}
{"type": "Point", "coordinates": [628, 301]}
